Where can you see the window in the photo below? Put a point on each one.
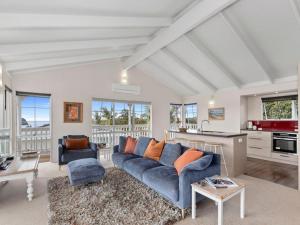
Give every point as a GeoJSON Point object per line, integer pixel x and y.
{"type": "Point", "coordinates": [280, 108]}
{"type": "Point", "coordinates": [191, 116]}
{"type": "Point", "coordinates": [175, 114]}
{"type": "Point", "coordinates": [102, 112]}
{"type": "Point", "coordinates": [34, 111]}
{"type": "Point", "coordinates": [121, 115]}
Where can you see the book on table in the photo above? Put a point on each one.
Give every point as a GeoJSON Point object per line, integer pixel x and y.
{"type": "Point", "coordinates": [220, 182]}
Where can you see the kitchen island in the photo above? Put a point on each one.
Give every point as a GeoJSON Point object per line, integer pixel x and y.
{"type": "Point", "coordinates": [234, 147]}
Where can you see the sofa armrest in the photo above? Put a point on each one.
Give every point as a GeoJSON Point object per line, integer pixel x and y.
{"type": "Point", "coordinates": [187, 177]}
{"type": "Point", "coordinates": [116, 148]}
{"type": "Point", "coordinates": [94, 146]}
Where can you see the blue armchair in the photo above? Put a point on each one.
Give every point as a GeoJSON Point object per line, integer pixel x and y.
{"type": "Point", "coordinates": [66, 155]}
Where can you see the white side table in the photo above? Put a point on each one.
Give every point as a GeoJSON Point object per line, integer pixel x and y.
{"type": "Point", "coordinates": [220, 196]}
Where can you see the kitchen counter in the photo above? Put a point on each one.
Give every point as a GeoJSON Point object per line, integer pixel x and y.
{"type": "Point", "coordinates": [234, 146]}
{"type": "Point", "coordinates": [272, 130]}
{"type": "Point", "coordinates": [212, 133]}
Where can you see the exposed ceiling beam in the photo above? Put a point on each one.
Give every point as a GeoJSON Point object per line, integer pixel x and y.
{"type": "Point", "coordinates": [171, 76]}
{"type": "Point", "coordinates": [21, 21]}
{"type": "Point", "coordinates": [189, 69]}
{"type": "Point", "coordinates": [25, 65]}
{"type": "Point", "coordinates": [198, 45]}
{"type": "Point", "coordinates": [153, 70]}
{"type": "Point", "coordinates": [252, 49]}
{"type": "Point", "coordinates": [296, 9]}
{"type": "Point", "coordinates": [19, 49]}
{"type": "Point", "coordinates": [198, 14]}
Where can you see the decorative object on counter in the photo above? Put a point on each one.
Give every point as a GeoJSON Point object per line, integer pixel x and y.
{"type": "Point", "coordinates": [250, 125]}
{"type": "Point", "coordinates": [182, 129]}
{"type": "Point", "coordinates": [73, 112]}
{"type": "Point", "coordinates": [254, 127]}
{"type": "Point", "coordinates": [216, 113]}
{"type": "Point", "coordinates": [101, 145]}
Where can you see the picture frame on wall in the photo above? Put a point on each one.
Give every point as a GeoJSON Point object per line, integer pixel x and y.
{"type": "Point", "coordinates": [216, 113]}
{"type": "Point", "coordinates": [73, 112]}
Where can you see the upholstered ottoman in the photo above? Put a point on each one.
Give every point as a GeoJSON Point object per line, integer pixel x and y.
{"type": "Point", "coordinates": [83, 171]}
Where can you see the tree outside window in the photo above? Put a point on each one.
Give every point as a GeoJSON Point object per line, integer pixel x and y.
{"type": "Point", "coordinates": [280, 108]}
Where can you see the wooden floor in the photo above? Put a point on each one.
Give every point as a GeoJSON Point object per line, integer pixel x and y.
{"type": "Point", "coordinates": [279, 173]}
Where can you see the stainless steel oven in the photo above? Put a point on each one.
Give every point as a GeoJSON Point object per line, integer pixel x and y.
{"type": "Point", "coordinates": [285, 142]}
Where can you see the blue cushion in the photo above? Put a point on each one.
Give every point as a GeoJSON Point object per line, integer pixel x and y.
{"type": "Point", "coordinates": [122, 143]}
{"type": "Point", "coordinates": [170, 153]}
{"type": "Point", "coordinates": [163, 179]}
{"type": "Point", "coordinates": [71, 155]}
{"type": "Point", "coordinates": [84, 171]}
{"type": "Point", "coordinates": [136, 167]}
{"type": "Point", "coordinates": [200, 164]}
{"type": "Point", "coordinates": [141, 145]}
{"type": "Point", "coordinates": [119, 158]}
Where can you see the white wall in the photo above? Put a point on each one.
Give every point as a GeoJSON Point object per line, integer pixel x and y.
{"type": "Point", "coordinates": [230, 100]}
{"type": "Point", "coordinates": [82, 83]}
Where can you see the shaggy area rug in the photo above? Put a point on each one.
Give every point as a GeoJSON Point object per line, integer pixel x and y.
{"type": "Point", "coordinates": [121, 200]}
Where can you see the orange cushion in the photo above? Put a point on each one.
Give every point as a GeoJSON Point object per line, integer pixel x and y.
{"type": "Point", "coordinates": [130, 145]}
{"type": "Point", "coordinates": [154, 150]}
{"type": "Point", "coordinates": [77, 143]}
{"type": "Point", "coordinates": [187, 157]}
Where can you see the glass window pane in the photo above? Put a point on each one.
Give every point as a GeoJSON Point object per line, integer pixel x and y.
{"type": "Point", "coordinates": [42, 118]}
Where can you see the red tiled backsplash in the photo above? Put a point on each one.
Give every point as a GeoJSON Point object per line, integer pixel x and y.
{"type": "Point", "coordinates": [284, 125]}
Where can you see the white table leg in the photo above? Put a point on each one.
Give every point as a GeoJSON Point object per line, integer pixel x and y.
{"type": "Point", "coordinates": [193, 204]}
{"type": "Point", "coordinates": [220, 213]}
{"type": "Point", "coordinates": [243, 203]}
{"type": "Point", "coordinates": [29, 181]}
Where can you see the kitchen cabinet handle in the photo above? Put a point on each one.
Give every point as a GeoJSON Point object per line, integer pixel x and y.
{"type": "Point", "coordinates": [255, 147]}
{"type": "Point", "coordinates": [286, 156]}
{"type": "Point", "coordinates": [253, 138]}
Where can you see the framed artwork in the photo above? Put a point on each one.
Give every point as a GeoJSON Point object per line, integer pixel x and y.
{"type": "Point", "coordinates": [73, 112]}
{"type": "Point", "coordinates": [216, 113]}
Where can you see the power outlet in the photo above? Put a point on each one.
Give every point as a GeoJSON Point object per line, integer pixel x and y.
{"type": "Point", "coordinates": [240, 140]}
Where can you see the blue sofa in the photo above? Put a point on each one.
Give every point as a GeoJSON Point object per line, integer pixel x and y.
{"type": "Point", "coordinates": [161, 175]}
{"type": "Point", "coordinates": [65, 156]}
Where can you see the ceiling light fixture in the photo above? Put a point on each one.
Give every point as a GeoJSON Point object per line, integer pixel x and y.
{"type": "Point", "coordinates": [211, 102]}
{"type": "Point", "coordinates": [124, 77]}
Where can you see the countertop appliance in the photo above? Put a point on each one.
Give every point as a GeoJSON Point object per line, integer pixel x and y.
{"type": "Point", "coordinates": [285, 142]}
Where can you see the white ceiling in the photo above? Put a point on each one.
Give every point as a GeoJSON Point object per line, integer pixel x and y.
{"type": "Point", "coordinates": [191, 46]}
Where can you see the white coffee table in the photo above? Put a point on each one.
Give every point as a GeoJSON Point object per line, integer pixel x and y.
{"type": "Point", "coordinates": [219, 195]}
{"type": "Point", "coordinates": [22, 169]}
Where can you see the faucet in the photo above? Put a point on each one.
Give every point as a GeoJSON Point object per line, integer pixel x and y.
{"type": "Point", "coordinates": [201, 126]}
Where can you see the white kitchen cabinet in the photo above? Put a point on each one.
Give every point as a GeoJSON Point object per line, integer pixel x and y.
{"type": "Point", "coordinates": [259, 145]}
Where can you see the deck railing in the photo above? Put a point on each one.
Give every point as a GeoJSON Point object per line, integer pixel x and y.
{"type": "Point", "coordinates": [5, 142]}
{"type": "Point", "coordinates": [110, 134]}
{"type": "Point", "coordinates": [37, 139]}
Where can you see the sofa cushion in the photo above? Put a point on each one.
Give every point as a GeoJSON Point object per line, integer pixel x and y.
{"type": "Point", "coordinates": [69, 156]}
{"type": "Point", "coordinates": [136, 167]}
{"type": "Point", "coordinates": [170, 153]}
{"type": "Point", "coordinates": [130, 145]}
{"type": "Point", "coordinates": [163, 179]}
{"type": "Point", "coordinates": [119, 158]}
{"type": "Point", "coordinates": [200, 164]}
{"type": "Point", "coordinates": [122, 143]}
{"type": "Point", "coordinates": [154, 150]}
{"type": "Point", "coordinates": [186, 158]}
{"type": "Point", "coordinates": [142, 145]}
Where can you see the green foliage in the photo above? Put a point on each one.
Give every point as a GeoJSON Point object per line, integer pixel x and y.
{"type": "Point", "coordinates": [279, 109]}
